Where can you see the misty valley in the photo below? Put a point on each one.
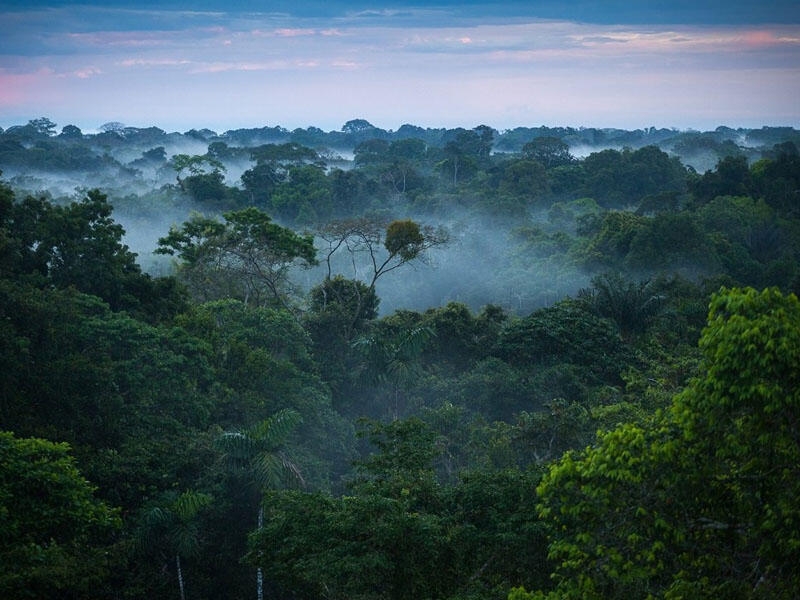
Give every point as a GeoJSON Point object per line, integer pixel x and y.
{"type": "Point", "coordinates": [442, 364]}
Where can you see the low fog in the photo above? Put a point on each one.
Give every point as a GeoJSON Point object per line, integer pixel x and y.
{"type": "Point", "coordinates": [488, 259]}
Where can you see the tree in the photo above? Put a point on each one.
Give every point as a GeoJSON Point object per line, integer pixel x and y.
{"type": "Point", "coordinates": [375, 247]}
{"type": "Point", "coordinates": [621, 179]}
{"type": "Point", "coordinates": [564, 333]}
{"type": "Point", "coordinates": [608, 236]}
{"type": "Point", "coordinates": [260, 182]}
{"type": "Point", "coordinates": [339, 310]}
{"type": "Point", "coordinates": [52, 527]}
{"type": "Point", "coordinates": [461, 155]}
{"type": "Point", "coordinates": [258, 451]}
{"type": "Point", "coordinates": [112, 126]}
{"type": "Point", "coordinates": [371, 153]}
{"type": "Point", "coordinates": [42, 127]}
{"type": "Point", "coordinates": [174, 523]}
{"type": "Point", "coordinates": [700, 502]}
{"type": "Point", "coordinates": [671, 241]}
{"type": "Point", "coordinates": [195, 164]}
{"type": "Point", "coordinates": [246, 257]}
{"type": "Point", "coordinates": [206, 188]}
{"type": "Point", "coordinates": [80, 245]}
{"type": "Point", "coordinates": [358, 130]}
{"type": "Point", "coordinates": [357, 126]}
{"type": "Point", "coordinates": [384, 540]}
{"type": "Point", "coordinates": [549, 151]}
{"type": "Point", "coordinates": [399, 533]}
{"type": "Point", "coordinates": [403, 240]}
{"type": "Point", "coordinates": [777, 179]}
{"type": "Point", "coordinates": [303, 197]}
{"type": "Point", "coordinates": [730, 178]}
{"type": "Point", "coordinates": [524, 179]}
{"type": "Point", "coordinates": [632, 306]}
{"type": "Point", "coordinates": [394, 360]}
{"type": "Point", "coordinates": [71, 132]}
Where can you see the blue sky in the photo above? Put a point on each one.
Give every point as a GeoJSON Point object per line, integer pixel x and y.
{"type": "Point", "coordinates": [233, 64]}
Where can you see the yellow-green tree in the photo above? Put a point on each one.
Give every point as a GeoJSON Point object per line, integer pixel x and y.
{"type": "Point", "coordinates": [702, 503]}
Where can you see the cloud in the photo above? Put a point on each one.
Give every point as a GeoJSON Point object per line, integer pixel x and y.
{"type": "Point", "coordinates": [287, 32]}
{"type": "Point", "coordinates": [87, 72]}
{"type": "Point", "coordinates": [153, 62]}
{"type": "Point", "coordinates": [411, 65]}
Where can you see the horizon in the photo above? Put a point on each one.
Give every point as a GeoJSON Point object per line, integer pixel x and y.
{"type": "Point", "coordinates": [97, 129]}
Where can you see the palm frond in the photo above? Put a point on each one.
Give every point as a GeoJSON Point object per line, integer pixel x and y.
{"type": "Point", "coordinates": [189, 504]}
{"type": "Point", "coordinates": [273, 431]}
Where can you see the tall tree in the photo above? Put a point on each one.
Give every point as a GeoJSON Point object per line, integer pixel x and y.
{"type": "Point", "coordinates": [374, 248]}
{"type": "Point", "coordinates": [247, 257]}
{"type": "Point", "coordinates": [258, 451]}
{"type": "Point", "coordinates": [175, 523]}
{"type": "Point", "coordinates": [701, 503]}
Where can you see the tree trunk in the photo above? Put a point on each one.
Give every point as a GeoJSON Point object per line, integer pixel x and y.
{"type": "Point", "coordinates": [259, 572]}
{"type": "Point", "coordinates": [180, 575]}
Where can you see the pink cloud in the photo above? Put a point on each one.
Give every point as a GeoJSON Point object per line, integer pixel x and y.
{"type": "Point", "coordinates": [87, 72]}
{"type": "Point", "coordinates": [294, 32]}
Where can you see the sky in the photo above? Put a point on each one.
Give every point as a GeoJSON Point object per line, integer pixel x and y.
{"type": "Point", "coordinates": [226, 65]}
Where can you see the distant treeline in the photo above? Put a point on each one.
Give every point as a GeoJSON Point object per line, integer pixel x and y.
{"type": "Point", "coordinates": [722, 141]}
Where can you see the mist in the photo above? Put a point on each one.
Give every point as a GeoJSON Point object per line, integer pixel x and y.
{"type": "Point", "coordinates": [518, 261]}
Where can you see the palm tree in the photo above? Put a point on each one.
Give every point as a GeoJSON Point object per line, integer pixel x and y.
{"type": "Point", "coordinates": [632, 306]}
{"type": "Point", "coordinates": [176, 523]}
{"type": "Point", "coordinates": [394, 360]}
{"type": "Point", "coordinates": [258, 451]}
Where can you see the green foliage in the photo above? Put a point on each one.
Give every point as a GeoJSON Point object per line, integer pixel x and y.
{"type": "Point", "coordinates": [671, 242]}
{"type": "Point", "coordinates": [460, 338]}
{"type": "Point", "coordinates": [695, 501]}
{"type": "Point", "coordinates": [347, 297]}
{"type": "Point", "coordinates": [365, 239]}
{"type": "Point", "coordinates": [394, 361]}
{"type": "Point", "coordinates": [608, 236]}
{"type": "Point", "coordinates": [80, 245]}
{"type": "Point", "coordinates": [174, 522]}
{"type": "Point", "coordinates": [103, 381]}
{"type": "Point", "coordinates": [208, 189]}
{"type": "Point", "coordinates": [247, 257]}
{"type": "Point", "coordinates": [548, 151]}
{"type": "Point", "coordinates": [305, 198]}
{"type": "Point", "coordinates": [401, 534]}
{"type": "Point", "coordinates": [620, 179]}
{"type": "Point", "coordinates": [730, 178]}
{"type": "Point", "coordinates": [564, 332]}
{"type": "Point", "coordinates": [744, 412]}
{"type": "Point", "coordinates": [699, 501]}
{"type": "Point", "coordinates": [524, 179]}
{"type": "Point", "coordinates": [339, 310]}
{"type": "Point", "coordinates": [171, 528]}
{"type": "Point", "coordinates": [631, 306]}
{"type": "Point", "coordinates": [194, 164]}
{"type": "Point", "coordinates": [263, 364]}
{"type": "Point", "coordinates": [52, 528]}
{"type": "Point", "coordinates": [258, 449]}
{"type": "Point", "coordinates": [404, 238]}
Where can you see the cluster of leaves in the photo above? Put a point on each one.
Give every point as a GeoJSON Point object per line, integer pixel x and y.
{"type": "Point", "coordinates": [699, 502]}
{"type": "Point", "coordinates": [399, 533]}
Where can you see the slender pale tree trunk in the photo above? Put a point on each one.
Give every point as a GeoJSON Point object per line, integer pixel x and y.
{"type": "Point", "coordinates": [180, 575]}
{"type": "Point", "coordinates": [259, 572]}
